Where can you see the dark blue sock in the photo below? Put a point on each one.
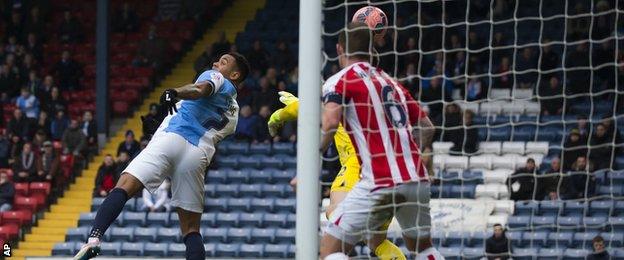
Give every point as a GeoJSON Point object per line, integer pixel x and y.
{"type": "Point", "coordinates": [194, 246]}
{"type": "Point", "coordinates": [108, 211]}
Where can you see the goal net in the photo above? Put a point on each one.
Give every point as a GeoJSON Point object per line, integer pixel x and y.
{"type": "Point", "coordinates": [527, 99]}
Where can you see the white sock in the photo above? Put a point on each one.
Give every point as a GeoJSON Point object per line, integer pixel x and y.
{"type": "Point", "coordinates": [93, 240]}
{"type": "Point", "coordinates": [337, 256]}
{"type": "Point", "coordinates": [428, 253]}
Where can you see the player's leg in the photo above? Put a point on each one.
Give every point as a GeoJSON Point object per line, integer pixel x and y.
{"type": "Point", "coordinates": [331, 246]}
{"type": "Point", "coordinates": [189, 225]}
{"type": "Point", "coordinates": [384, 249]}
{"type": "Point", "coordinates": [415, 221]}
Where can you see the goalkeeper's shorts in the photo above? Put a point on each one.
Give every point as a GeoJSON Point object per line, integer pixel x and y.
{"type": "Point", "coordinates": [348, 176]}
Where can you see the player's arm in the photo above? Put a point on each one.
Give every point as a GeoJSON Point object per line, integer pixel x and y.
{"type": "Point", "coordinates": [207, 84]}
{"type": "Point", "coordinates": [426, 130]}
{"type": "Point", "coordinates": [195, 90]}
{"type": "Point", "coordinates": [283, 115]}
{"type": "Point", "coordinates": [332, 115]}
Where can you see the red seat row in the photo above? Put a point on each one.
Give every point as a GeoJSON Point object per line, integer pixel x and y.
{"type": "Point", "coordinates": [33, 188]}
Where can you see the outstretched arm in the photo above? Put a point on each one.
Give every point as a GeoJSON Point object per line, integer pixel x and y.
{"type": "Point", "coordinates": [332, 115]}
{"type": "Point", "coordinates": [195, 91]}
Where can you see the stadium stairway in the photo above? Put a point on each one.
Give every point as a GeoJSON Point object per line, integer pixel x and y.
{"type": "Point", "coordinates": [64, 214]}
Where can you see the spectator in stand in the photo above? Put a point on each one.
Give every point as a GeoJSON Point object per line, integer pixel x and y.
{"type": "Point", "coordinates": [35, 24]}
{"type": "Point", "coordinates": [8, 81]}
{"type": "Point", "coordinates": [20, 125]}
{"type": "Point", "coordinates": [126, 19]}
{"type": "Point", "coordinates": [43, 122]}
{"type": "Point", "coordinates": [504, 78]}
{"type": "Point", "coordinates": [288, 133]}
{"type": "Point", "coordinates": [28, 65]}
{"type": "Point", "coordinates": [582, 124]}
{"type": "Point", "coordinates": [258, 58]}
{"type": "Point", "coordinates": [130, 145]}
{"type": "Point", "coordinates": [524, 64]}
{"type": "Point", "coordinates": [611, 130]}
{"type": "Point", "coordinates": [69, 30]}
{"type": "Point", "coordinates": [204, 61]}
{"type": "Point", "coordinates": [260, 131]}
{"type": "Point", "coordinates": [28, 103]}
{"type": "Point", "coordinates": [246, 123]}
{"type": "Point", "coordinates": [451, 121]}
{"type": "Point", "coordinates": [48, 165]}
{"type": "Point", "coordinates": [521, 183]}
{"type": "Point", "coordinates": [579, 60]}
{"type": "Point", "coordinates": [266, 96]}
{"type": "Point", "coordinates": [578, 27]}
{"type": "Point", "coordinates": [73, 139]}
{"type": "Point", "coordinates": [283, 59]}
{"type": "Point", "coordinates": [549, 60]}
{"type": "Point", "coordinates": [151, 51]}
{"type": "Point", "coordinates": [68, 71]}
{"type": "Point", "coordinates": [433, 96]}
{"type": "Point", "coordinates": [548, 182]}
{"type": "Point", "coordinates": [475, 88]}
{"type": "Point", "coordinates": [40, 138]}
{"type": "Point", "coordinates": [5, 150]}
{"type": "Point", "coordinates": [122, 162]}
{"type": "Point", "coordinates": [151, 121]}
{"type": "Point", "coordinates": [89, 129]}
{"type": "Point", "coordinates": [7, 192]}
{"type": "Point", "coordinates": [106, 178]}
{"type": "Point", "coordinates": [599, 250]}
{"type": "Point", "coordinates": [24, 166]}
{"type": "Point", "coordinates": [573, 148]}
{"type": "Point", "coordinates": [59, 124]}
{"type": "Point", "coordinates": [579, 182]}
{"type": "Point", "coordinates": [550, 96]}
{"type": "Point", "coordinates": [34, 84]}
{"type": "Point", "coordinates": [15, 148]}
{"type": "Point", "coordinates": [221, 46]}
{"type": "Point", "coordinates": [157, 201]}
{"type": "Point", "coordinates": [34, 47]}
{"type": "Point", "coordinates": [601, 148]}
{"type": "Point", "coordinates": [603, 22]}
{"type": "Point", "coordinates": [497, 247]}
{"type": "Point", "coordinates": [55, 103]}
{"type": "Point", "coordinates": [44, 93]}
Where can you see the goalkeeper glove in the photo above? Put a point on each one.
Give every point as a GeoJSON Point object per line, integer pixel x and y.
{"type": "Point", "coordinates": [168, 101]}
{"type": "Point", "coordinates": [287, 98]}
{"type": "Point", "coordinates": [278, 118]}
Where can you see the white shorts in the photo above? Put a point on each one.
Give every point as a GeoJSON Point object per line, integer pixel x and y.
{"type": "Point", "coordinates": [364, 212]}
{"type": "Point", "coordinates": [169, 155]}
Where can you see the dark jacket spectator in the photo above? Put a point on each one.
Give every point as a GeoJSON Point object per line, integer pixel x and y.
{"type": "Point", "coordinates": [600, 252]}
{"type": "Point", "coordinates": [521, 183]}
{"type": "Point", "coordinates": [260, 130]}
{"type": "Point", "coordinates": [122, 162]}
{"type": "Point", "coordinates": [59, 124]}
{"type": "Point", "coordinates": [575, 146]}
{"type": "Point", "coordinates": [5, 150]}
{"type": "Point", "coordinates": [107, 177]}
{"type": "Point", "coordinates": [497, 246]}
{"type": "Point", "coordinates": [48, 164]}
{"type": "Point", "coordinates": [283, 59]}
{"type": "Point", "coordinates": [25, 167]}
{"type": "Point", "coordinates": [266, 96]}
{"type": "Point", "coordinates": [601, 148]}
{"type": "Point", "coordinates": [258, 57]}
{"type": "Point", "coordinates": [126, 19]}
{"type": "Point", "coordinates": [69, 30]}
{"type": "Point", "coordinates": [68, 72]}
{"type": "Point", "coordinates": [9, 83]}
{"type": "Point", "coordinates": [73, 139]}
{"type": "Point", "coordinates": [434, 96]}
{"type": "Point", "coordinates": [548, 182]}
{"type": "Point", "coordinates": [504, 78]}
{"type": "Point", "coordinates": [20, 125]}
{"type": "Point", "coordinates": [549, 60]}
{"type": "Point", "coordinates": [44, 92]}
{"type": "Point", "coordinates": [44, 123]}
{"type": "Point", "coordinates": [7, 192]}
{"type": "Point", "coordinates": [525, 64]}
{"type": "Point", "coordinates": [34, 47]}
{"type": "Point", "coordinates": [89, 129]}
{"type": "Point", "coordinates": [130, 145]}
{"type": "Point", "coordinates": [579, 182]}
{"type": "Point", "coordinates": [578, 59]}
{"type": "Point", "coordinates": [550, 95]}
{"type": "Point", "coordinates": [204, 61]}
{"type": "Point", "coordinates": [246, 124]}
{"type": "Point", "coordinates": [151, 121]}
{"type": "Point", "coordinates": [55, 103]}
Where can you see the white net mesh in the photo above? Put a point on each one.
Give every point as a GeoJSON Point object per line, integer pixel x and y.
{"type": "Point", "coordinates": [504, 82]}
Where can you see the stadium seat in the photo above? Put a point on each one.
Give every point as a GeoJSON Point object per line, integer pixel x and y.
{"type": "Point", "coordinates": [262, 235]}
{"type": "Point", "coordinates": [132, 249]}
{"type": "Point", "coordinates": [480, 162]}
{"type": "Point", "coordinates": [285, 205]}
{"type": "Point", "coordinates": [524, 253]}
{"type": "Point", "coordinates": [507, 161]}
{"type": "Point", "coordinates": [209, 219]}
{"type": "Point", "coordinates": [537, 147]}
{"type": "Point", "coordinates": [40, 188]}
{"type": "Point", "coordinates": [275, 220]}
{"type": "Point", "coordinates": [120, 234]}
{"type": "Point", "coordinates": [260, 148]}
{"type": "Point", "coordinates": [251, 190]}
{"type": "Point", "coordinates": [456, 238]}
{"type": "Point", "coordinates": [211, 249]}
{"type": "Point", "coordinates": [583, 239]}
{"type": "Point", "coordinates": [142, 234]}
{"type": "Point", "coordinates": [550, 253]}
{"type": "Point", "coordinates": [282, 176]}
{"type": "Point", "coordinates": [527, 207]}
{"type": "Point", "coordinates": [617, 223]}
{"type": "Point", "coordinates": [155, 249]}
{"type": "Point", "coordinates": [612, 239]}
{"type": "Point", "coordinates": [450, 252]}
{"type": "Point", "coordinates": [238, 148]}
{"type": "Point", "coordinates": [544, 222]}
{"type": "Point", "coordinates": [164, 234]}
{"type": "Point", "coordinates": [473, 252]}
{"type": "Point", "coordinates": [234, 204]}
{"type": "Point", "coordinates": [158, 219]}
{"type": "Point", "coordinates": [284, 148]}
{"type": "Point", "coordinates": [575, 208]}
{"type": "Point", "coordinates": [596, 223]}
{"type": "Point", "coordinates": [535, 238]}
{"type": "Point", "coordinates": [215, 235]}
{"type": "Point", "coordinates": [251, 250]}
{"type": "Point", "coordinates": [496, 176]}
{"type": "Point", "coordinates": [284, 235]}
{"type": "Point", "coordinates": [111, 248]}
{"type": "Point", "coordinates": [86, 219]}
{"type": "Point", "coordinates": [21, 189]}
{"type": "Point", "coordinates": [26, 203]}
{"type": "Point", "coordinates": [618, 209]}
{"type": "Point", "coordinates": [215, 205]}
{"type": "Point", "coordinates": [260, 176]}
{"type": "Point", "coordinates": [513, 147]}
{"type": "Point", "coordinates": [237, 176]}
{"type": "Point", "coordinates": [210, 190]}
{"type": "Point", "coordinates": [519, 222]}
{"type": "Point", "coordinates": [456, 162]}
{"type": "Point", "coordinates": [272, 162]}
{"type": "Point", "coordinates": [217, 176]}
{"type": "Point", "coordinates": [134, 218]}
{"type": "Point", "coordinates": [79, 234]}
{"type": "Point", "coordinates": [276, 251]}
{"type": "Point", "coordinates": [252, 161]}
{"type": "Point", "coordinates": [227, 190]}
{"type": "Point", "coordinates": [478, 238]}
{"type": "Point", "coordinates": [569, 221]}
{"type": "Point", "coordinates": [18, 217]}
{"type": "Point", "coordinates": [238, 235]}
{"type": "Point", "coordinates": [442, 147]}
{"type": "Point", "coordinates": [67, 248]}
{"type": "Point", "coordinates": [560, 239]}
{"type": "Point", "coordinates": [176, 250]}
{"type": "Point", "coordinates": [251, 220]}
{"type": "Point", "coordinates": [551, 207]}
{"type": "Point", "coordinates": [601, 207]}
{"type": "Point", "coordinates": [228, 161]}
{"type": "Point", "coordinates": [266, 205]}
{"type": "Point", "coordinates": [490, 147]}
{"type": "Point", "coordinates": [227, 219]}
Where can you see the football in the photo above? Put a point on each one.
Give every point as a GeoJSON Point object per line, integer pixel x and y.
{"type": "Point", "coordinates": [374, 17]}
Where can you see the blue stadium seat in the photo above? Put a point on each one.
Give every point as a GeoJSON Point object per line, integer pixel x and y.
{"type": "Point", "coordinates": [158, 219]}
{"type": "Point", "coordinates": [164, 234]}
{"type": "Point", "coordinates": [277, 251]}
{"type": "Point", "coordinates": [618, 253]}
{"type": "Point", "coordinates": [450, 252]}
{"type": "Point", "coordinates": [515, 237]}
{"type": "Point", "coordinates": [575, 254]}
{"type": "Point", "coordinates": [121, 234]}
{"type": "Point", "coordinates": [260, 148]}
{"type": "Point", "coordinates": [285, 205]}
{"type": "Point", "coordinates": [238, 235]}
{"type": "Point", "coordinates": [227, 190]}
{"type": "Point", "coordinates": [290, 162]}
{"type": "Point", "coordinates": [437, 238]}
{"type": "Point", "coordinates": [67, 248]}
{"type": "Point", "coordinates": [456, 238]}
{"type": "Point", "coordinates": [252, 161]}
{"type": "Point", "coordinates": [274, 220]}
{"type": "Point", "coordinates": [250, 220]}
{"type": "Point", "coordinates": [569, 221]}
{"type": "Point", "coordinates": [251, 250]}
{"type": "Point", "coordinates": [110, 248]}
{"type": "Point", "coordinates": [250, 190]}
{"type": "Point", "coordinates": [130, 204]}
{"type": "Point", "coordinates": [259, 176]}
{"type": "Point", "coordinates": [561, 239]}
{"type": "Point", "coordinates": [144, 234]}
{"type": "Point", "coordinates": [266, 205]}
{"type": "Point", "coordinates": [619, 208]}
{"type": "Point", "coordinates": [466, 191]}
{"type": "Point", "coordinates": [285, 235]}
{"type": "Point", "coordinates": [478, 238]}
{"type": "Point", "coordinates": [535, 238]}
{"type": "Point", "coordinates": [262, 235]}
{"type": "Point", "coordinates": [209, 219]}
{"type": "Point", "coordinates": [524, 253]}
{"type": "Point", "coordinates": [575, 208]}
{"type": "Point", "coordinates": [282, 176]}
{"type": "Point", "coordinates": [551, 207]}
{"type": "Point", "coordinates": [435, 191]}
{"type": "Point", "coordinates": [155, 249]}
{"type": "Point", "coordinates": [612, 239]}
{"type": "Point", "coordinates": [132, 249]}
{"type": "Point", "coordinates": [529, 208]}
{"type": "Point", "coordinates": [86, 219]}
{"type": "Point", "coordinates": [583, 239]}
{"type": "Point", "coordinates": [227, 219]}
{"type": "Point", "coordinates": [291, 251]}
{"type": "Point", "coordinates": [133, 218]}
{"type": "Point", "coordinates": [228, 161]}
{"type": "Point", "coordinates": [240, 204]}
{"type": "Point", "coordinates": [472, 177]}
{"type": "Point", "coordinates": [617, 223]}
{"type": "Point", "coordinates": [237, 176]}
{"type": "Point", "coordinates": [617, 177]}
{"type": "Point", "coordinates": [284, 148]}
{"type": "Point", "coordinates": [601, 177]}
{"type": "Point", "coordinates": [610, 190]}
{"type": "Point", "coordinates": [450, 177]}
{"type": "Point", "coordinates": [544, 221]}
{"type": "Point", "coordinates": [210, 190]}
{"type": "Point", "coordinates": [290, 220]}
{"type": "Point", "coordinates": [176, 250]}
{"type": "Point", "coordinates": [473, 252]}
{"type": "Point", "coordinates": [215, 235]}
{"type": "Point", "coordinates": [601, 207]}
{"type": "Point", "coordinates": [215, 205]}
{"type": "Point", "coordinates": [217, 175]}
{"type": "Point", "coordinates": [550, 253]}
{"type": "Point", "coordinates": [272, 162]}
{"type": "Point", "coordinates": [273, 190]}
{"type": "Point", "coordinates": [595, 223]}
{"type": "Point", "coordinates": [96, 202]}
{"type": "Point", "coordinates": [238, 148]}
{"type": "Point", "coordinates": [519, 222]}
{"type": "Point", "coordinates": [77, 234]}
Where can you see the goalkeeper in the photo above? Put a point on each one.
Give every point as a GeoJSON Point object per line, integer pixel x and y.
{"type": "Point", "coordinates": [348, 176]}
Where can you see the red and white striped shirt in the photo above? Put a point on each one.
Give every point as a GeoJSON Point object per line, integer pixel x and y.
{"type": "Point", "coordinates": [379, 114]}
